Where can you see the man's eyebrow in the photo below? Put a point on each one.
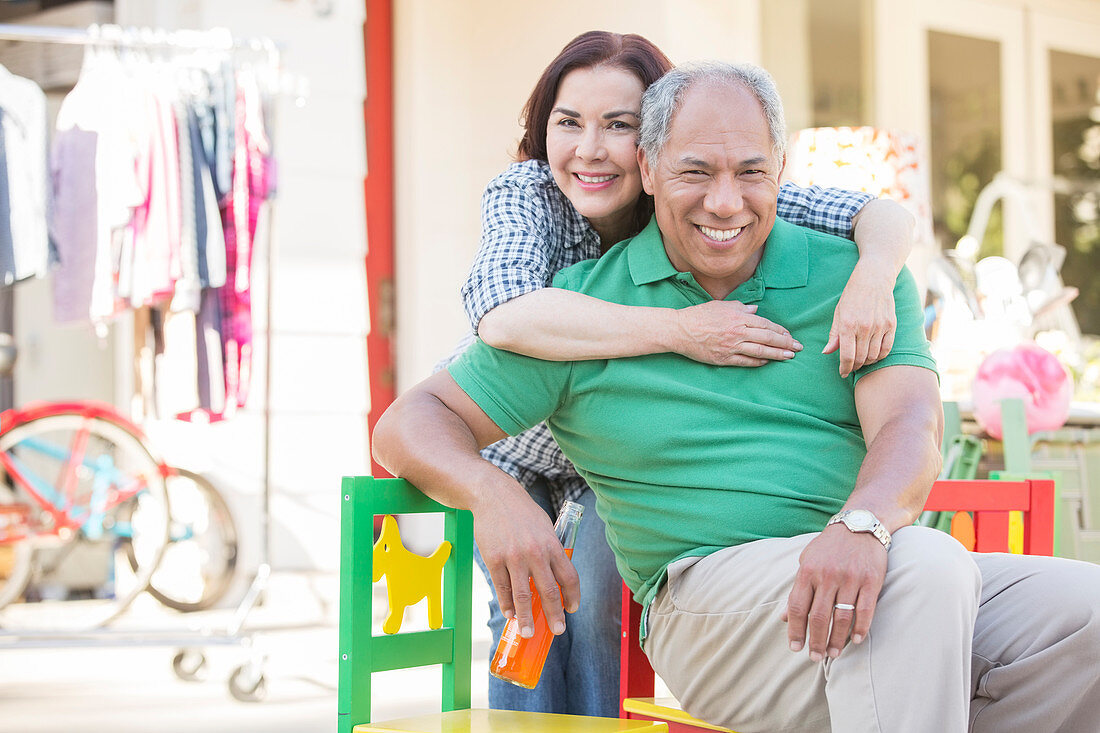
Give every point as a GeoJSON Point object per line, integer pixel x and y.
{"type": "Point", "coordinates": [689, 161]}
{"type": "Point", "coordinates": [692, 162]}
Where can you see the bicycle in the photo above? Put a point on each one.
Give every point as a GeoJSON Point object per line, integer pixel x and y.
{"type": "Point", "coordinates": [85, 510]}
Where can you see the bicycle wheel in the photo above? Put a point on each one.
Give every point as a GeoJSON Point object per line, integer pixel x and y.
{"type": "Point", "coordinates": [201, 558]}
{"type": "Point", "coordinates": [15, 548]}
{"type": "Point", "coordinates": [95, 489]}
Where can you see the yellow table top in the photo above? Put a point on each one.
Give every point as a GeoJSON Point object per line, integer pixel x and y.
{"type": "Point", "coordinates": [667, 708]}
{"type": "Point", "coordinates": [508, 721]}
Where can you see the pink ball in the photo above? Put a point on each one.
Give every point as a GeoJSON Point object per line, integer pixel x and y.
{"type": "Point", "coordinates": [1026, 372]}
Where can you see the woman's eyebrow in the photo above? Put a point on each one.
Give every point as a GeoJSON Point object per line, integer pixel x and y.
{"type": "Point", "coordinates": [606, 115]}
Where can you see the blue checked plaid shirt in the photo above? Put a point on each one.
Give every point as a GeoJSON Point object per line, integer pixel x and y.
{"type": "Point", "coordinates": [529, 231]}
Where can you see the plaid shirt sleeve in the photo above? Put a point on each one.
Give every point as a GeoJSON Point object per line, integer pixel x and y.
{"type": "Point", "coordinates": [828, 210]}
{"type": "Point", "coordinates": [512, 258]}
{"type": "Point", "coordinates": [534, 453]}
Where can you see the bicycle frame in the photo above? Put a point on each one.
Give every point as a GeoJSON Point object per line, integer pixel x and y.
{"type": "Point", "coordinates": [54, 500]}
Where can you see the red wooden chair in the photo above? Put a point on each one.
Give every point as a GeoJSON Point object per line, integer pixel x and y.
{"type": "Point", "coordinates": [990, 501]}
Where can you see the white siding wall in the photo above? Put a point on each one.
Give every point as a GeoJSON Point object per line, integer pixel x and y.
{"type": "Point", "coordinates": [464, 70]}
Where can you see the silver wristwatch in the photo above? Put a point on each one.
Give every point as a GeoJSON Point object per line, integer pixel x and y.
{"type": "Point", "coordinates": [861, 520]}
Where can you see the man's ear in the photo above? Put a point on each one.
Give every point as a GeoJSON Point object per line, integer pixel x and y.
{"type": "Point", "coordinates": [782, 167]}
{"type": "Point", "coordinates": [647, 174]}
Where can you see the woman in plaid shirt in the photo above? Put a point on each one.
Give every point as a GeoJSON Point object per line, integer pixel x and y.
{"type": "Point", "coordinates": [574, 193]}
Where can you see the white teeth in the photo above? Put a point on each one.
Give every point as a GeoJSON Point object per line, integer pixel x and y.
{"type": "Point", "coordinates": [594, 179]}
{"type": "Point", "coordinates": [721, 235]}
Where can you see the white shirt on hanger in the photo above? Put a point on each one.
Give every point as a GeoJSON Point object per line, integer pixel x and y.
{"type": "Point", "coordinates": [25, 135]}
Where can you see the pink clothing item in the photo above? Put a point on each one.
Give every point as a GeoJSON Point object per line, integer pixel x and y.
{"type": "Point", "coordinates": [240, 215]}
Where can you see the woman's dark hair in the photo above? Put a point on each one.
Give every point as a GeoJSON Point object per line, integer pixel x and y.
{"type": "Point", "coordinates": [629, 52]}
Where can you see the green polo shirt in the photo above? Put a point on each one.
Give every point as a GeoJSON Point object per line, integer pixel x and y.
{"type": "Point", "coordinates": [687, 458]}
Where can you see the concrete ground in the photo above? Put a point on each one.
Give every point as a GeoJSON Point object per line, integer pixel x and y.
{"type": "Point", "coordinates": [112, 689]}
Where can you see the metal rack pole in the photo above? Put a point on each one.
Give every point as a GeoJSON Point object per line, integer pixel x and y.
{"type": "Point", "coordinates": [216, 39]}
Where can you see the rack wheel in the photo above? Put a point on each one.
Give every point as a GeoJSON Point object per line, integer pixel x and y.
{"type": "Point", "coordinates": [247, 684]}
{"type": "Point", "coordinates": [189, 665]}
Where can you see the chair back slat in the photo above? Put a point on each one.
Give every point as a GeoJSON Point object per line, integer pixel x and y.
{"type": "Point", "coordinates": [458, 589]}
{"type": "Point", "coordinates": [991, 531]}
{"type": "Point", "coordinates": [636, 678]}
{"type": "Point", "coordinates": [412, 649]}
{"type": "Point", "coordinates": [979, 495]}
{"type": "Point", "coordinates": [356, 613]}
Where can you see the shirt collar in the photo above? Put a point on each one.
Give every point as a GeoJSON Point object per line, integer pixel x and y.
{"type": "Point", "coordinates": [646, 256]}
{"type": "Point", "coordinates": [786, 260]}
{"type": "Point", "coordinates": [785, 264]}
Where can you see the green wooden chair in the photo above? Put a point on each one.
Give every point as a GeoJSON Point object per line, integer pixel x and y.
{"type": "Point", "coordinates": [362, 653]}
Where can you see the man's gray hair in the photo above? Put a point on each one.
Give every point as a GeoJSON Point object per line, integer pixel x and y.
{"type": "Point", "coordinates": [664, 97]}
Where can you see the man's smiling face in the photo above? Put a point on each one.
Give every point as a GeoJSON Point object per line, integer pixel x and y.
{"type": "Point", "coordinates": [715, 185]}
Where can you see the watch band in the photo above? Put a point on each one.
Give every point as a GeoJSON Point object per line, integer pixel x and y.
{"type": "Point", "coordinates": [870, 524]}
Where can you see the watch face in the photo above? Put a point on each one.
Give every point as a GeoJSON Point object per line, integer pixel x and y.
{"type": "Point", "coordinates": [860, 519]}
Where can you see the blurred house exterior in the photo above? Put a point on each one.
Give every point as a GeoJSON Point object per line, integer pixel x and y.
{"type": "Point", "coordinates": [985, 85]}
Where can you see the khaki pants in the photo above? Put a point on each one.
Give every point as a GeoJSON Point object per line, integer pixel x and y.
{"type": "Point", "coordinates": [985, 642]}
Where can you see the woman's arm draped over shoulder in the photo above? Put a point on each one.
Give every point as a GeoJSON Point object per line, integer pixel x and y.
{"type": "Point", "coordinates": [510, 306]}
{"type": "Point", "coordinates": [562, 325]}
{"type": "Point", "coordinates": [864, 321]}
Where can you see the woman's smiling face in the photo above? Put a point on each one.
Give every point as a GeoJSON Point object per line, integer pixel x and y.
{"type": "Point", "coordinates": [591, 145]}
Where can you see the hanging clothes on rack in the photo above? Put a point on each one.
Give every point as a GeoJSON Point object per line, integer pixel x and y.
{"type": "Point", "coordinates": [103, 150]}
{"type": "Point", "coordinates": [75, 223]}
{"type": "Point", "coordinates": [151, 240]}
{"type": "Point", "coordinates": [95, 190]}
{"type": "Point", "coordinates": [26, 253]}
{"type": "Point", "coordinates": [251, 185]}
{"type": "Point", "coordinates": [6, 243]}
{"type": "Point", "coordinates": [180, 178]}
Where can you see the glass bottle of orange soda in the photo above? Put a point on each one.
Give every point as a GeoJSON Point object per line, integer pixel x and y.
{"type": "Point", "coordinates": [518, 660]}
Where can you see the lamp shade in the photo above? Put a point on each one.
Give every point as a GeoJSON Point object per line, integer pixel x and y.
{"type": "Point", "coordinates": [879, 162]}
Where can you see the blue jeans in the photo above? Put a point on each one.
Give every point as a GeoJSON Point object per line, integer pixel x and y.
{"type": "Point", "coordinates": [581, 676]}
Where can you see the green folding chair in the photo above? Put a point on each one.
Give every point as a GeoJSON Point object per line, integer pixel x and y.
{"type": "Point", "coordinates": [362, 653]}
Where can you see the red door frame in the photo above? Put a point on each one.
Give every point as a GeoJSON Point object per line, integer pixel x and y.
{"type": "Point", "coordinates": [378, 195]}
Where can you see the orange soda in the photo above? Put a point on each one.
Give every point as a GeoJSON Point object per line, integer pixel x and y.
{"type": "Point", "coordinates": [518, 660]}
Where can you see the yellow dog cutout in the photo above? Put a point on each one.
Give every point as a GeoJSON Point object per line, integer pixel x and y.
{"type": "Point", "coordinates": [409, 577]}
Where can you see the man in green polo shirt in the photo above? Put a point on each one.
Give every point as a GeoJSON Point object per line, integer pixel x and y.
{"type": "Point", "coordinates": [751, 511]}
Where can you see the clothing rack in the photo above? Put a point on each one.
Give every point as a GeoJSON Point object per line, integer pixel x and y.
{"type": "Point", "coordinates": [149, 38]}
{"type": "Point", "coordinates": [216, 39]}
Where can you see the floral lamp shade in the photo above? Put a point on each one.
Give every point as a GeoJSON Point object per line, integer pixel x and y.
{"type": "Point", "coordinates": [880, 162]}
{"type": "Point", "coordinates": [890, 164]}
